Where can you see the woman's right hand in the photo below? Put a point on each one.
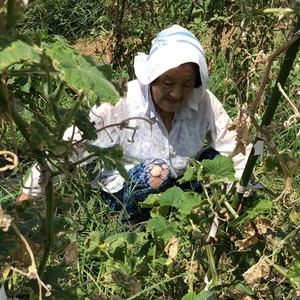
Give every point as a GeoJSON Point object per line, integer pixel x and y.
{"type": "Point", "coordinates": [22, 197]}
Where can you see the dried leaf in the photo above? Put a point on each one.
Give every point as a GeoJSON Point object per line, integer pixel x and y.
{"type": "Point", "coordinates": [242, 126]}
{"type": "Point", "coordinates": [172, 250]}
{"type": "Point", "coordinates": [247, 242]}
{"type": "Point", "coordinates": [129, 282]}
{"type": "Point", "coordinates": [257, 272]}
{"type": "Point", "coordinates": [262, 225]}
{"type": "Point", "coordinates": [21, 254]}
{"type": "Point", "coordinates": [71, 255]}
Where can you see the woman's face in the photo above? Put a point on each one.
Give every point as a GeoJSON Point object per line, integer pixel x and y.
{"type": "Point", "coordinates": [171, 90]}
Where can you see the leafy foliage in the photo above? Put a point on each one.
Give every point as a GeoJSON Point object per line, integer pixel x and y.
{"type": "Point", "coordinates": [194, 246]}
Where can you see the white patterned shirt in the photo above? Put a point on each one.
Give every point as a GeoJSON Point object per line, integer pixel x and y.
{"type": "Point", "coordinates": [192, 127]}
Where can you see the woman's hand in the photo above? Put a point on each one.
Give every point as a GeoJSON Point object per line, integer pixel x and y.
{"type": "Point", "coordinates": [22, 197]}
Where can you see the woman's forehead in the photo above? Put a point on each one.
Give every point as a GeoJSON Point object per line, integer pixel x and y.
{"type": "Point", "coordinates": [186, 70]}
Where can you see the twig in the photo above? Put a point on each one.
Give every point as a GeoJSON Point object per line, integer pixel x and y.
{"type": "Point", "coordinates": [266, 136]}
{"type": "Point", "coordinates": [288, 99]}
{"type": "Point", "coordinates": [11, 157]}
{"type": "Point", "coordinates": [296, 116]}
{"type": "Point", "coordinates": [268, 68]}
{"type": "Point", "coordinates": [121, 125]}
{"type": "Point", "coordinates": [32, 270]}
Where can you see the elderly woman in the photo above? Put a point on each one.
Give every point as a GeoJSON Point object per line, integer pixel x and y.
{"type": "Point", "coordinates": [174, 115]}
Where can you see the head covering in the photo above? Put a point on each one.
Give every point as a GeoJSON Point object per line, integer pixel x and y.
{"type": "Point", "coordinates": [172, 47]}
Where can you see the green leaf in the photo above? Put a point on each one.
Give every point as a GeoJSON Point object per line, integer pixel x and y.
{"type": "Point", "coordinates": [75, 70]}
{"type": "Point", "coordinates": [40, 137]}
{"type": "Point", "coordinates": [82, 121]}
{"type": "Point", "coordinates": [93, 240]}
{"type": "Point", "coordinates": [171, 197]}
{"type": "Point", "coordinates": [211, 292]}
{"type": "Point", "coordinates": [244, 289]}
{"type": "Point", "coordinates": [221, 167]}
{"type": "Point", "coordinates": [129, 237]}
{"type": "Point", "coordinates": [294, 274]}
{"type": "Point", "coordinates": [110, 157]}
{"type": "Point", "coordinates": [121, 169]}
{"type": "Point", "coordinates": [159, 225]}
{"type": "Point", "coordinates": [159, 211]}
{"type": "Point", "coordinates": [16, 48]}
{"type": "Point", "coordinates": [114, 152]}
{"type": "Point", "coordinates": [261, 207]}
{"type": "Point", "coordinates": [188, 202]}
{"type": "Point", "coordinates": [107, 71]}
{"type": "Point", "coordinates": [53, 275]}
{"type": "Point", "coordinates": [189, 174]}
{"type": "Point", "coordinates": [151, 201]}
{"type": "Point", "coordinates": [189, 296]}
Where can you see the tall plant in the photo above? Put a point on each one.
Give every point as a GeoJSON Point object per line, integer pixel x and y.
{"type": "Point", "coordinates": [35, 81]}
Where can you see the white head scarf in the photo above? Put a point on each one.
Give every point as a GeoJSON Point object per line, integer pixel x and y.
{"type": "Point", "coordinates": [172, 47]}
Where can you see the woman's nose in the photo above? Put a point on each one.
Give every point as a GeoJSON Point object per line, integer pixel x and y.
{"type": "Point", "coordinates": [176, 92]}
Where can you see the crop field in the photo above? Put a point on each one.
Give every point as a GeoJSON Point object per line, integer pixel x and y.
{"type": "Point", "coordinates": [57, 60]}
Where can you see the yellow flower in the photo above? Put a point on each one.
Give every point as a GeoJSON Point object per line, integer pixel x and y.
{"type": "Point", "coordinates": [103, 246]}
{"type": "Point", "coordinates": [167, 276]}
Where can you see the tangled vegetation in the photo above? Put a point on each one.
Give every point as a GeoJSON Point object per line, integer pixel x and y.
{"type": "Point", "coordinates": [231, 242]}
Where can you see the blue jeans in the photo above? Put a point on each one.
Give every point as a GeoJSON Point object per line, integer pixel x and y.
{"type": "Point", "coordinates": [151, 176]}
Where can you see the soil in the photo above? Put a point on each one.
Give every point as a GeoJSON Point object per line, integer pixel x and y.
{"type": "Point", "coordinates": [99, 48]}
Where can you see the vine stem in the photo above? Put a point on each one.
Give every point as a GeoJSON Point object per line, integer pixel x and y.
{"type": "Point", "coordinates": [10, 13]}
{"type": "Point", "coordinates": [49, 226]}
{"type": "Point", "coordinates": [212, 265]}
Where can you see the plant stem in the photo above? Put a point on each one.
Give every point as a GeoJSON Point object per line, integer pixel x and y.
{"type": "Point", "coordinates": [26, 72]}
{"type": "Point", "coordinates": [70, 116]}
{"type": "Point", "coordinates": [278, 268]}
{"type": "Point", "coordinates": [212, 265]}
{"type": "Point", "coordinates": [55, 100]}
{"type": "Point", "coordinates": [49, 226]}
{"type": "Point", "coordinates": [10, 14]}
{"type": "Point", "coordinates": [270, 111]}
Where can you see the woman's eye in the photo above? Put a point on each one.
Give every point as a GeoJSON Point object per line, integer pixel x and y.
{"type": "Point", "coordinates": [168, 83]}
{"type": "Point", "coordinates": [188, 85]}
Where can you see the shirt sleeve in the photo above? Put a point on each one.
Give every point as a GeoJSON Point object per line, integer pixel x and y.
{"type": "Point", "coordinates": [103, 116]}
{"type": "Point", "coordinates": [221, 138]}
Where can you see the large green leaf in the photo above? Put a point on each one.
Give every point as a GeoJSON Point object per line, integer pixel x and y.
{"type": "Point", "coordinates": [261, 207]}
{"type": "Point", "coordinates": [16, 48]}
{"type": "Point", "coordinates": [75, 70]}
{"type": "Point", "coordinates": [93, 241]}
{"type": "Point", "coordinates": [221, 167]}
{"type": "Point", "coordinates": [151, 201]}
{"type": "Point", "coordinates": [171, 197]}
{"type": "Point", "coordinates": [189, 296]}
{"type": "Point", "coordinates": [160, 226]}
{"type": "Point", "coordinates": [53, 275]}
{"type": "Point", "coordinates": [189, 201]}
{"type": "Point", "coordinates": [294, 274]}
